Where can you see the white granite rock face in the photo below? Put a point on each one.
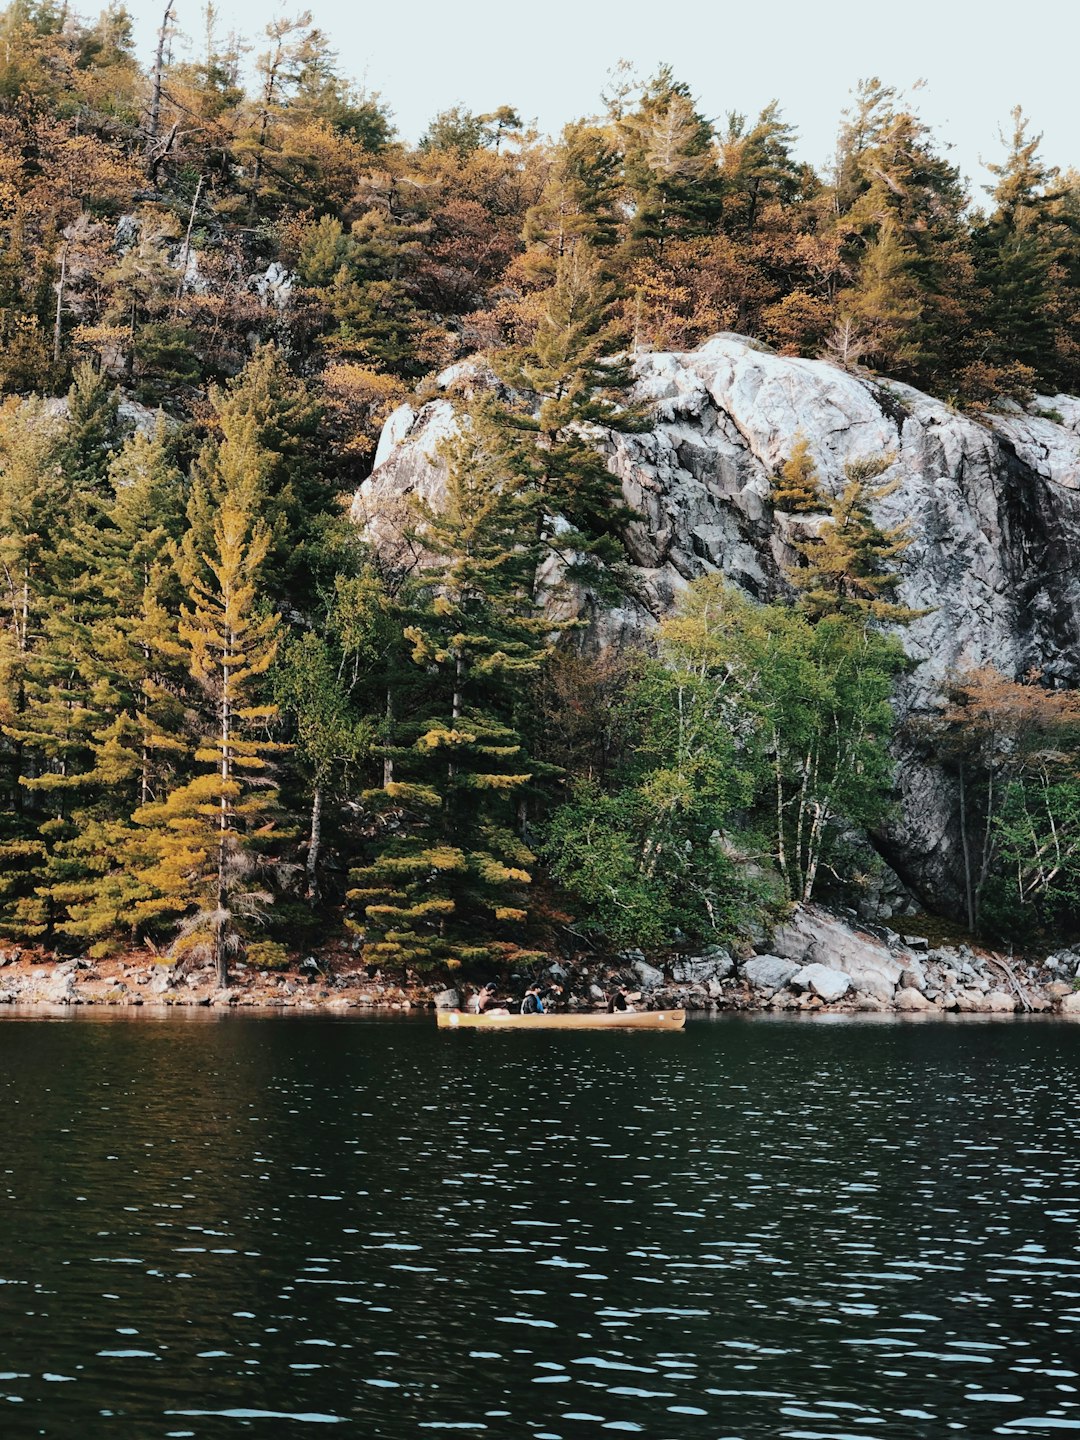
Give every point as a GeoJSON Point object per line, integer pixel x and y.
{"type": "Point", "coordinates": [815, 937]}
{"type": "Point", "coordinates": [993, 504]}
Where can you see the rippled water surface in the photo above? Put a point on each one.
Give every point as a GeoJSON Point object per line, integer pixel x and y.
{"type": "Point", "coordinates": [751, 1229]}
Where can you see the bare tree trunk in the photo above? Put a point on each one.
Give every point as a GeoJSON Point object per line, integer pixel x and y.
{"type": "Point", "coordinates": [186, 251]}
{"type": "Point", "coordinates": [60, 284]}
{"type": "Point", "coordinates": [781, 844]}
{"type": "Point", "coordinates": [221, 954]}
{"type": "Point", "coordinates": [388, 760]}
{"type": "Point", "coordinates": [969, 893]}
{"type": "Point", "coordinates": [314, 842]}
{"type": "Point", "coordinates": [154, 118]}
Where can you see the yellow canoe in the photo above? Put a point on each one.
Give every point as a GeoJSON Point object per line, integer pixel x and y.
{"type": "Point", "coordinates": [582, 1020]}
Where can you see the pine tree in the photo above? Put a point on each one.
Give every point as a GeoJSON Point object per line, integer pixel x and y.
{"type": "Point", "coordinates": [796, 488]}
{"type": "Point", "coordinates": [130, 666]}
{"type": "Point", "coordinates": [900, 214]}
{"type": "Point", "coordinates": [206, 837]}
{"type": "Point", "coordinates": [579, 202]}
{"type": "Point", "coordinates": [1017, 249]}
{"type": "Point", "coordinates": [32, 504]}
{"type": "Point", "coordinates": [572, 385]}
{"type": "Point", "coordinates": [364, 277]}
{"type": "Point", "coordinates": [91, 431]}
{"type": "Point", "coordinates": [669, 165]}
{"type": "Point", "coordinates": [447, 885]}
{"type": "Point", "coordinates": [263, 454]}
{"type": "Point", "coordinates": [885, 305]}
{"type": "Point", "coordinates": [762, 170]}
{"type": "Point", "coordinates": [844, 571]}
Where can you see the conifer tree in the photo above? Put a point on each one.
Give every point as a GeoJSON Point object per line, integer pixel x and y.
{"type": "Point", "coordinates": [447, 885]}
{"type": "Point", "coordinates": [130, 669]}
{"type": "Point", "coordinates": [262, 454]}
{"type": "Point", "coordinates": [1018, 249]}
{"type": "Point", "coordinates": [90, 432]}
{"type": "Point", "coordinates": [885, 305]}
{"type": "Point", "coordinates": [205, 838]}
{"type": "Point", "coordinates": [844, 572]}
{"type": "Point", "coordinates": [32, 503]}
{"type": "Point", "coordinates": [331, 739]}
{"type": "Point", "coordinates": [670, 165]}
{"type": "Point", "coordinates": [579, 203]}
{"type": "Point", "coordinates": [900, 209]}
{"type": "Point", "coordinates": [572, 384]}
{"type": "Point", "coordinates": [796, 487]}
{"type": "Point", "coordinates": [364, 279]}
{"type": "Point", "coordinates": [762, 168]}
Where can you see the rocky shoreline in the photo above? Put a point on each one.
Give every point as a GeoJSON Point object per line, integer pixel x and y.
{"type": "Point", "coordinates": [820, 961]}
{"type": "Point", "coordinates": [817, 962]}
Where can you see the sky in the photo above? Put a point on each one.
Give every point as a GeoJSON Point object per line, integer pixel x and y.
{"type": "Point", "coordinates": [978, 58]}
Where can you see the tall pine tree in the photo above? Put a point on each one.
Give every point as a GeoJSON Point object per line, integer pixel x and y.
{"type": "Point", "coordinates": [207, 839]}
{"type": "Point", "coordinates": [447, 885]}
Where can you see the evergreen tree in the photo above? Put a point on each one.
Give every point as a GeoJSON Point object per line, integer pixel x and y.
{"type": "Point", "coordinates": [447, 885]}
{"type": "Point", "coordinates": [579, 202]}
{"type": "Point", "coordinates": [844, 572]}
{"type": "Point", "coordinates": [91, 431]}
{"type": "Point", "coordinates": [1018, 248]}
{"type": "Point", "coordinates": [331, 739]}
{"type": "Point", "coordinates": [262, 454]}
{"type": "Point", "coordinates": [885, 305]}
{"type": "Point", "coordinates": [364, 277]}
{"type": "Point", "coordinates": [796, 487]}
{"type": "Point", "coordinates": [669, 165]}
{"type": "Point", "coordinates": [130, 667]}
{"type": "Point", "coordinates": [32, 506]}
{"type": "Point", "coordinates": [900, 213]}
{"type": "Point", "coordinates": [570, 384]}
{"type": "Point", "coordinates": [761, 168]}
{"type": "Point", "coordinates": [206, 838]}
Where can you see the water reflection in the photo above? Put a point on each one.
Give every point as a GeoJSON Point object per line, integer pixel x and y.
{"type": "Point", "coordinates": [746, 1230]}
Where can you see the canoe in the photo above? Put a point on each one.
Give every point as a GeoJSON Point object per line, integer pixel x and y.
{"type": "Point", "coordinates": [582, 1020]}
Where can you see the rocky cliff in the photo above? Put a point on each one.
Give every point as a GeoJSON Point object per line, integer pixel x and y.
{"type": "Point", "coordinates": [993, 503]}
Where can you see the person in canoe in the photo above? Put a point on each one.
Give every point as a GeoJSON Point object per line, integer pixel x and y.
{"type": "Point", "coordinates": [533, 1002]}
{"type": "Point", "coordinates": [556, 999]}
{"type": "Point", "coordinates": [485, 1001]}
{"type": "Point", "coordinates": [621, 998]}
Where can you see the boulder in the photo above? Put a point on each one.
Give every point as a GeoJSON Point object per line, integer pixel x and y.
{"type": "Point", "coordinates": [1000, 1002]}
{"type": "Point", "coordinates": [913, 976]}
{"type": "Point", "coordinates": [701, 969]}
{"type": "Point", "coordinates": [448, 1000]}
{"type": "Point", "coordinates": [649, 977]}
{"type": "Point", "coordinates": [769, 972]}
{"type": "Point", "coordinates": [162, 980]}
{"type": "Point", "coordinates": [973, 1002]}
{"type": "Point", "coordinates": [1064, 962]}
{"type": "Point", "coordinates": [59, 989]}
{"type": "Point", "coordinates": [911, 1001]}
{"type": "Point", "coordinates": [830, 984]}
{"type": "Point", "coordinates": [1070, 1004]}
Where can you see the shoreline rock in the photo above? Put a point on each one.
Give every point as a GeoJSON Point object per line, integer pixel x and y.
{"type": "Point", "coordinates": [815, 962]}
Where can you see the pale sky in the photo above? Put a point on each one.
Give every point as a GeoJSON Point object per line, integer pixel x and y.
{"type": "Point", "coordinates": [550, 59]}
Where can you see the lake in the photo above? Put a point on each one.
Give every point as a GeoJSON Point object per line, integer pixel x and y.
{"type": "Point", "coordinates": [755, 1228]}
